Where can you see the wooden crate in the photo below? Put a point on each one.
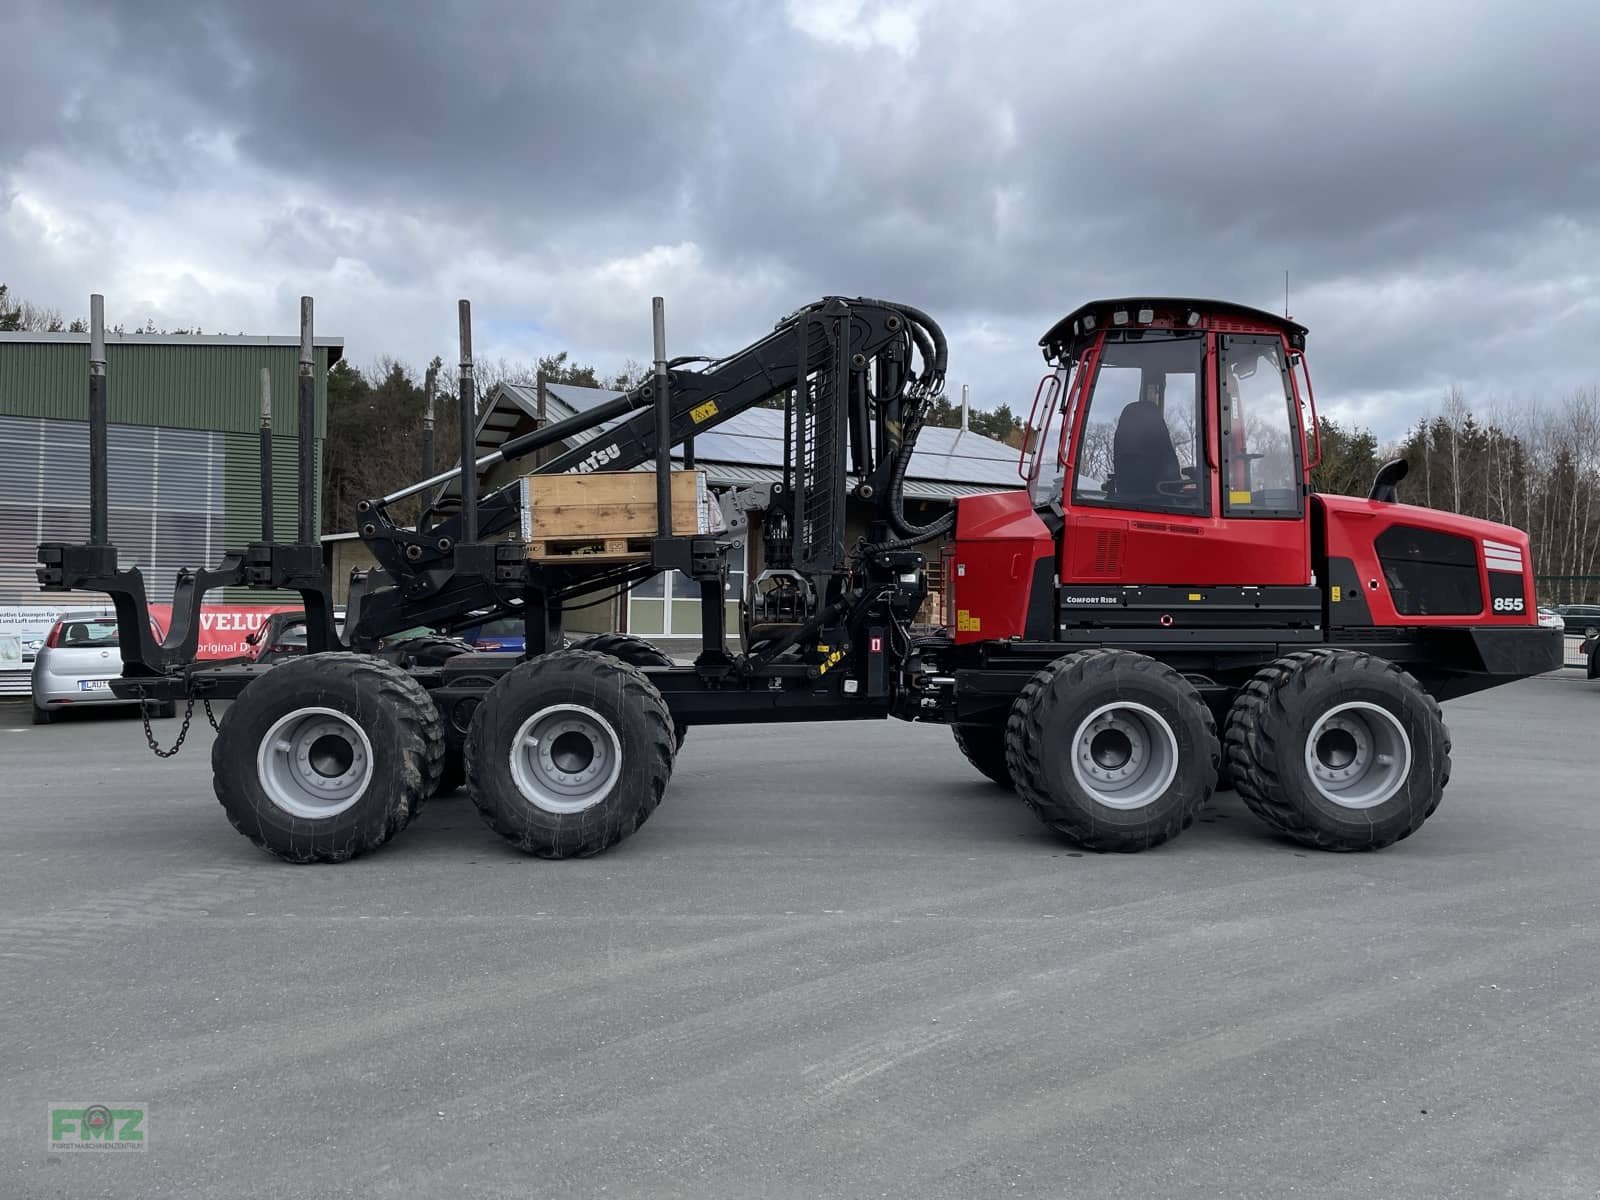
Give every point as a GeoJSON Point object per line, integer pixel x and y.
{"type": "Point", "coordinates": [610, 515]}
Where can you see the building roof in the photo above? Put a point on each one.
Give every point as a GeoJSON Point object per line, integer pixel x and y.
{"type": "Point", "coordinates": [176, 339]}
{"type": "Point", "coordinates": [754, 438]}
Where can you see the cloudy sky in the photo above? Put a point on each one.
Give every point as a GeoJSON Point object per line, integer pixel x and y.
{"type": "Point", "coordinates": [1427, 173]}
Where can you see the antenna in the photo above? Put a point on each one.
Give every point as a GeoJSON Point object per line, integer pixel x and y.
{"type": "Point", "coordinates": [1286, 293]}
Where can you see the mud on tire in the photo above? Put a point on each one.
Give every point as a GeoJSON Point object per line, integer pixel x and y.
{"type": "Point", "coordinates": [1339, 750]}
{"type": "Point", "coordinates": [1112, 750]}
{"type": "Point", "coordinates": [327, 756]}
{"type": "Point", "coordinates": [569, 754]}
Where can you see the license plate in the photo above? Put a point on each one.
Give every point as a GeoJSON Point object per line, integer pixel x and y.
{"type": "Point", "coordinates": [94, 685]}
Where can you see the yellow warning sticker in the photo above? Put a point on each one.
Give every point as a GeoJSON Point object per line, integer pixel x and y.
{"type": "Point", "coordinates": [1334, 593]}
{"type": "Point", "coordinates": [967, 623]}
{"type": "Point", "coordinates": [701, 413]}
{"type": "Point", "coordinates": [1235, 497]}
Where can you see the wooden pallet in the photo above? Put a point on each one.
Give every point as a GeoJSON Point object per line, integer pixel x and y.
{"type": "Point", "coordinates": [605, 505]}
{"type": "Point", "coordinates": [589, 549]}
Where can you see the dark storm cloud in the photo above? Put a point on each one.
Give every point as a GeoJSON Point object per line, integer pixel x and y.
{"type": "Point", "coordinates": [1429, 175]}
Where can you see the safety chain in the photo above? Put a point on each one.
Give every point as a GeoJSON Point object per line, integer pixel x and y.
{"type": "Point", "coordinates": [183, 732]}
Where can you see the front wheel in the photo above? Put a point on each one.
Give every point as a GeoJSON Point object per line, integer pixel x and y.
{"type": "Point", "coordinates": [569, 754]}
{"type": "Point", "coordinates": [1112, 750]}
{"type": "Point", "coordinates": [1338, 750]}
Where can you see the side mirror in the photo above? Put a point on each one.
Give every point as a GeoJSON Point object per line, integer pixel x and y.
{"type": "Point", "coordinates": [1386, 486]}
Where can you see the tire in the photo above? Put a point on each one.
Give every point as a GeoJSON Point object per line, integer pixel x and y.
{"type": "Point", "coordinates": [985, 748]}
{"type": "Point", "coordinates": [1113, 750]}
{"type": "Point", "coordinates": [636, 652]}
{"type": "Point", "coordinates": [428, 650]}
{"type": "Point", "coordinates": [1298, 736]}
{"type": "Point", "coordinates": [607, 718]}
{"type": "Point", "coordinates": [371, 723]}
{"type": "Point", "coordinates": [42, 716]}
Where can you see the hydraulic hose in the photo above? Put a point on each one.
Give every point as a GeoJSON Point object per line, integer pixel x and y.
{"type": "Point", "coordinates": [935, 352]}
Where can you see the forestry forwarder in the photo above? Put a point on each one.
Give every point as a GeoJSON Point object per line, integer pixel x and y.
{"type": "Point", "coordinates": [1166, 573]}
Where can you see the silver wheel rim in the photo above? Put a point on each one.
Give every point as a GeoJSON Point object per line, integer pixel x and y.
{"type": "Point", "coordinates": [1358, 754]}
{"type": "Point", "coordinates": [565, 758]}
{"type": "Point", "coordinates": [1124, 755]}
{"type": "Point", "coordinates": [314, 763]}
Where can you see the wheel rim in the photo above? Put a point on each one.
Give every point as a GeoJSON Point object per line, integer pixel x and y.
{"type": "Point", "coordinates": [565, 758]}
{"type": "Point", "coordinates": [1358, 754]}
{"type": "Point", "coordinates": [314, 762]}
{"type": "Point", "coordinates": [1124, 755]}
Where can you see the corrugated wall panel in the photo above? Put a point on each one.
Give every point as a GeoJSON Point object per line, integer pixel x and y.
{"type": "Point", "coordinates": [241, 501]}
{"type": "Point", "coordinates": [201, 386]}
{"type": "Point", "coordinates": [166, 499]}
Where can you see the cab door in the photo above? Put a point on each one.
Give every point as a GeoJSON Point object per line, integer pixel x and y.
{"type": "Point", "coordinates": [1140, 490]}
{"type": "Point", "coordinates": [1263, 536]}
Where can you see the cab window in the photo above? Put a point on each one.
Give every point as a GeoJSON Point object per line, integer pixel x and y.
{"type": "Point", "coordinates": [1260, 444]}
{"type": "Point", "coordinates": [1142, 444]}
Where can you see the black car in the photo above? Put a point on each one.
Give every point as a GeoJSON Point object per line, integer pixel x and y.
{"type": "Point", "coordinates": [283, 635]}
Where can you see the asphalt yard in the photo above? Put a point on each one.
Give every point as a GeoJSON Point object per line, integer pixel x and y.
{"type": "Point", "coordinates": [835, 962]}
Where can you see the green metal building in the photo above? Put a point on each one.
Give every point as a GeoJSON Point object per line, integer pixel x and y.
{"type": "Point", "coordinates": [184, 445]}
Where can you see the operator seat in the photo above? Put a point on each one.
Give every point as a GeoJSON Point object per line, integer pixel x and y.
{"type": "Point", "coordinates": [1141, 451]}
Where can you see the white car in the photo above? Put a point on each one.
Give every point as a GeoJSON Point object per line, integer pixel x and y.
{"type": "Point", "coordinates": [75, 666]}
{"type": "Point", "coordinates": [1550, 619]}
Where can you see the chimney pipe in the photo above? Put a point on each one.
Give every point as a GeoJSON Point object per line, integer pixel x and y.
{"type": "Point", "coordinates": [965, 411]}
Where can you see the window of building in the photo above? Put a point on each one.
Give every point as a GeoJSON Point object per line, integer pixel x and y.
{"type": "Point", "coordinates": [668, 605]}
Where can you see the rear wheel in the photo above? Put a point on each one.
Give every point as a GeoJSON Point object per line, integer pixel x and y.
{"type": "Point", "coordinates": [1339, 750]}
{"type": "Point", "coordinates": [1113, 750]}
{"type": "Point", "coordinates": [569, 754]}
{"type": "Point", "coordinates": [636, 652]}
{"type": "Point", "coordinates": [327, 756]}
{"type": "Point", "coordinates": [985, 748]}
